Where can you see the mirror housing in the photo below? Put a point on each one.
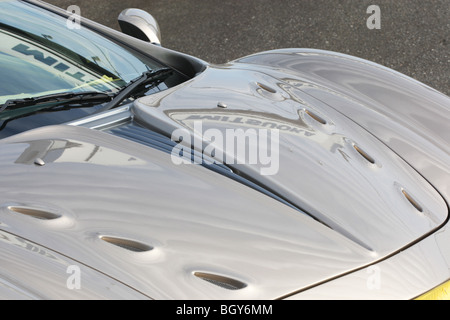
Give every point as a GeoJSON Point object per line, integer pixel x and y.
{"type": "Point", "coordinates": [140, 24]}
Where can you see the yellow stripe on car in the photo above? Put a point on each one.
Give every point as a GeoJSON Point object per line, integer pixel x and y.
{"type": "Point", "coordinates": [441, 292]}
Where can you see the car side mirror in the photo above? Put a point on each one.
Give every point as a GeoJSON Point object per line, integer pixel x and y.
{"type": "Point", "coordinates": [140, 24]}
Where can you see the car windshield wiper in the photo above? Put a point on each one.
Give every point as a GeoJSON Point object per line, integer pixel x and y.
{"type": "Point", "coordinates": [147, 80]}
{"type": "Point", "coordinates": [136, 87]}
{"type": "Point", "coordinates": [71, 100]}
{"type": "Point", "coordinates": [79, 98]}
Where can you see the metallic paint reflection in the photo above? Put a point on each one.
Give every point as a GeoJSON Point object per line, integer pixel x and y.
{"type": "Point", "coordinates": [200, 223]}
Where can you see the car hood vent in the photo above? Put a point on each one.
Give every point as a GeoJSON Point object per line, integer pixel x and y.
{"type": "Point", "coordinates": [34, 213]}
{"type": "Point", "coordinates": [127, 244]}
{"type": "Point", "coordinates": [221, 281]}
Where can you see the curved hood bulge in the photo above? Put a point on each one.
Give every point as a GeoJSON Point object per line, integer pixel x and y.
{"type": "Point", "coordinates": [168, 231]}
{"type": "Point", "coordinates": [327, 166]}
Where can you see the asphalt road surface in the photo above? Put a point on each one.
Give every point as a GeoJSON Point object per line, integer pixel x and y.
{"type": "Point", "coordinates": [413, 37]}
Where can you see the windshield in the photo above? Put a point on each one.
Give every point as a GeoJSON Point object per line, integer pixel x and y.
{"type": "Point", "coordinates": [40, 55]}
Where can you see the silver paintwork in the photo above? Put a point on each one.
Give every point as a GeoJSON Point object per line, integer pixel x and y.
{"type": "Point", "coordinates": [405, 275]}
{"type": "Point", "coordinates": [193, 222]}
{"type": "Point", "coordinates": [144, 21]}
{"type": "Point", "coordinates": [320, 171]}
{"type": "Point", "coordinates": [97, 186]}
{"type": "Point", "coordinates": [406, 115]}
{"type": "Point", "coordinates": [105, 119]}
{"type": "Point", "coordinates": [31, 271]}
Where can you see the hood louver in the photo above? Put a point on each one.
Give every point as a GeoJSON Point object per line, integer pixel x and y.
{"type": "Point", "coordinates": [34, 213]}
{"type": "Point", "coordinates": [221, 281]}
{"type": "Point", "coordinates": [127, 244]}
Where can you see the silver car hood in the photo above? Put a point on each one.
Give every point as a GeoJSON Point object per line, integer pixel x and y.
{"type": "Point", "coordinates": [184, 232]}
{"type": "Point", "coordinates": [124, 209]}
{"type": "Point", "coordinates": [329, 167]}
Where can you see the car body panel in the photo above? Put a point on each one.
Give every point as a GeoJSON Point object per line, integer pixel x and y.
{"type": "Point", "coordinates": [408, 116]}
{"type": "Point", "coordinates": [405, 275]}
{"type": "Point", "coordinates": [31, 272]}
{"type": "Point", "coordinates": [357, 207]}
{"type": "Point", "coordinates": [319, 170]}
{"type": "Point", "coordinates": [100, 185]}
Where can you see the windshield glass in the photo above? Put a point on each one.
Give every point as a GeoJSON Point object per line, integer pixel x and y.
{"type": "Point", "coordinates": [40, 55]}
